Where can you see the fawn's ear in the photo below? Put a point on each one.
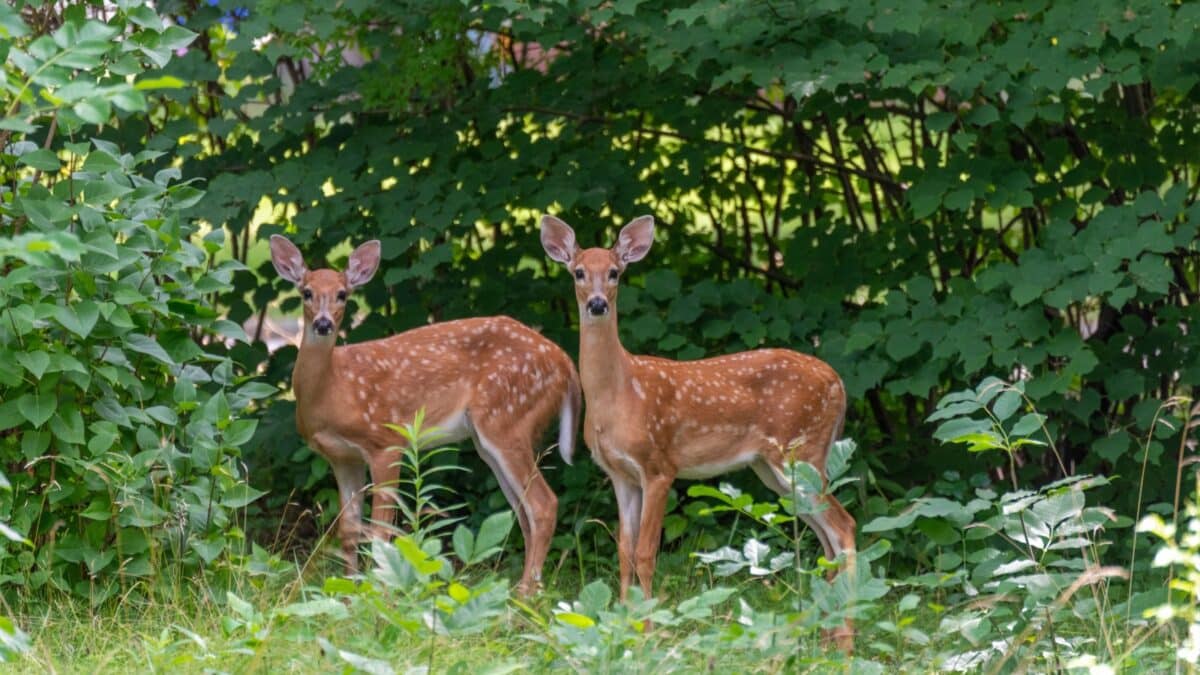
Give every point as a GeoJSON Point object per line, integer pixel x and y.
{"type": "Point", "coordinates": [558, 239]}
{"type": "Point", "coordinates": [635, 239]}
{"type": "Point", "coordinates": [288, 261]}
{"type": "Point", "coordinates": [363, 263]}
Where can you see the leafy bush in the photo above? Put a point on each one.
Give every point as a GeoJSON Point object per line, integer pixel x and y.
{"type": "Point", "coordinates": [920, 197]}
{"type": "Point", "coordinates": [1005, 583]}
{"type": "Point", "coordinates": [119, 413]}
{"type": "Point", "coordinates": [1179, 552]}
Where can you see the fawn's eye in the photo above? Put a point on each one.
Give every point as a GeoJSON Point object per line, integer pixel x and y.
{"type": "Point", "coordinates": [579, 273]}
{"type": "Point", "coordinates": [612, 274]}
{"type": "Point", "coordinates": [306, 294]}
{"type": "Point", "coordinates": [341, 296]}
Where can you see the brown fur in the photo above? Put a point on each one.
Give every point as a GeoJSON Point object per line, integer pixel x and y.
{"type": "Point", "coordinates": [650, 420]}
{"type": "Point", "coordinates": [490, 379]}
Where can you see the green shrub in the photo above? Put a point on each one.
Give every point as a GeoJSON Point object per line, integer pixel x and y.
{"type": "Point", "coordinates": [120, 418]}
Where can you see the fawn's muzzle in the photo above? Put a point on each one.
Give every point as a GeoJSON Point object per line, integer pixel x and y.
{"type": "Point", "coordinates": [323, 326]}
{"type": "Point", "coordinates": [597, 306]}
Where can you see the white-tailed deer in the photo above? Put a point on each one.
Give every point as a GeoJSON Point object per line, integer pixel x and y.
{"type": "Point", "coordinates": [493, 380]}
{"type": "Point", "coordinates": [650, 420]}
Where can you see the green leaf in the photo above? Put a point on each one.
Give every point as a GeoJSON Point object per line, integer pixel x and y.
{"type": "Point", "coordinates": [574, 619]}
{"type": "Point", "coordinates": [936, 507]}
{"type": "Point", "coordinates": [1152, 273]}
{"type": "Point", "coordinates": [240, 431]}
{"type": "Point", "coordinates": [99, 161]}
{"type": "Point", "coordinates": [144, 16]}
{"type": "Point", "coordinates": [207, 549]}
{"type": "Point", "coordinates": [175, 37]}
{"type": "Point", "coordinates": [163, 414]}
{"type": "Point", "coordinates": [902, 345]}
{"type": "Point", "coordinates": [129, 100]}
{"type": "Point", "coordinates": [10, 415]}
{"type": "Point", "coordinates": [166, 82]}
{"type": "Point", "coordinates": [44, 160]}
{"type": "Point", "coordinates": [11, 27]}
{"type": "Point", "coordinates": [329, 607]}
{"type": "Point", "coordinates": [35, 362]}
{"type": "Point", "coordinates": [148, 346]}
{"type": "Point", "coordinates": [1006, 404]}
{"type": "Point", "coordinates": [256, 390]}
{"type": "Point", "coordinates": [1028, 424]}
{"type": "Point", "coordinates": [100, 509]}
{"type": "Point", "coordinates": [647, 327]}
{"type": "Point", "coordinates": [67, 424]}
{"type": "Point", "coordinates": [239, 495]}
{"type": "Point", "coordinates": [838, 460]}
{"type": "Point", "coordinates": [951, 430]}
{"type": "Point", "coordinates": [492, 532]}
{"type": "Point", "coordinates": [95, 110]}
{"type": "Point", "coordinates": [464, 543]}
{"type": "Point", "coordinates": [663, 284]}
{"type": "Point", "coordinates": [420, 561]}
{"type": "Point", "coordinates": [104, 435]}
{"type": "Point", "coordinates": [1113, 447]}
{"type": "Point", "coordinates": [804, 477]}
{"type": "Point", "coordinates": [981, 441]}
{"type": "Point", "coordinates": [37, 407]}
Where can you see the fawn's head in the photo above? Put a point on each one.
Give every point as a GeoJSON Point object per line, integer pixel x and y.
{"type": "Point", "coordinates": [597, 270]}
{"type": "Point", "coordinates": [323, 291]}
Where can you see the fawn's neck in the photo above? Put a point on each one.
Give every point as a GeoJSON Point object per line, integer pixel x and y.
{"type": "Point", "coordinates": [313, 371]}
{"type": "Point", "coordinates": [604, 365]}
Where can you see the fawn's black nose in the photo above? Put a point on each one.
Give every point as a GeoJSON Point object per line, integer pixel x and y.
{"type": "Point", "coordinates": [597, 306]}
{"type": "Point", "coordinates": [323, 326]}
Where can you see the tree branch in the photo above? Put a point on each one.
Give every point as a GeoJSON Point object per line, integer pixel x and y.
{"type": "Point", "coordinates": [794, 156]}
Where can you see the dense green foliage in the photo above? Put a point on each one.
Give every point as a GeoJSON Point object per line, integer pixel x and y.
{"type": "Point", "coordinates": [1028, 598]}
{"type": "Point", "coordinates": [924, 194]}
{"type": "Point", "coordinates": [120, 426]}
{"type": "Point", "coordinates": [921, 195]}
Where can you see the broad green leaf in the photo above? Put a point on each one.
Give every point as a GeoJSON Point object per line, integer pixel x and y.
{"type": "Point", "coordinates": [322, 607]}
{"type": "Point", "coordinates": [144, 16]}
{"type": "Point", "coordinates": [575, 620]}
{"type": "Point", "coordinates": [458, 592]}
{"type": "Point", "coordinates": [104, 435]}
{"type": "Point", "coordinates": [239, 495]}
{"type": "Point", "coordinates": [493, 531]}
{"type": "Point", "coordinates": [421, 562]}
{"type": "Point", "coordinates": [953, 429]}
{"type": "Point", "coordinates": [67, 424]}
{"type": "Point", "coordinates": [1006, 404]}
{"type": "Point", "coordinates": [44, 160]}
{"type": "Point", "coordinates": [11, 25]}
{"type": "Point", "coordinates": [100, 509]}
{"type": "Point", "coordinates": [129, 100]}
{"type": "Point", "coordinates": [240, 431]}
{"type": "Point", "coordinates": [100, 161]}
{"type": "Point", "coordinates": [166, 82]}
{"type": "Point", "coordinates": [163, 414]}
{"type": "Point", "coordinates": [35, 362]}
{"type": "Point", "coordinates": [37, 407]}
{"type": "Point", "coordinates": [148, 346]}
{"type": "Point", "coordinates": [95, 110]}
{"type": "Point", "coordinates": [929, 508]}
{"type": "Point", "coordinates": [1028, 424]}
{"type": "Point", "coordinates": [838, 460]}
{"type": "Point", "coordinates": [595, 596]}
{"type": "Point", "coordinates": [464, 543]}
